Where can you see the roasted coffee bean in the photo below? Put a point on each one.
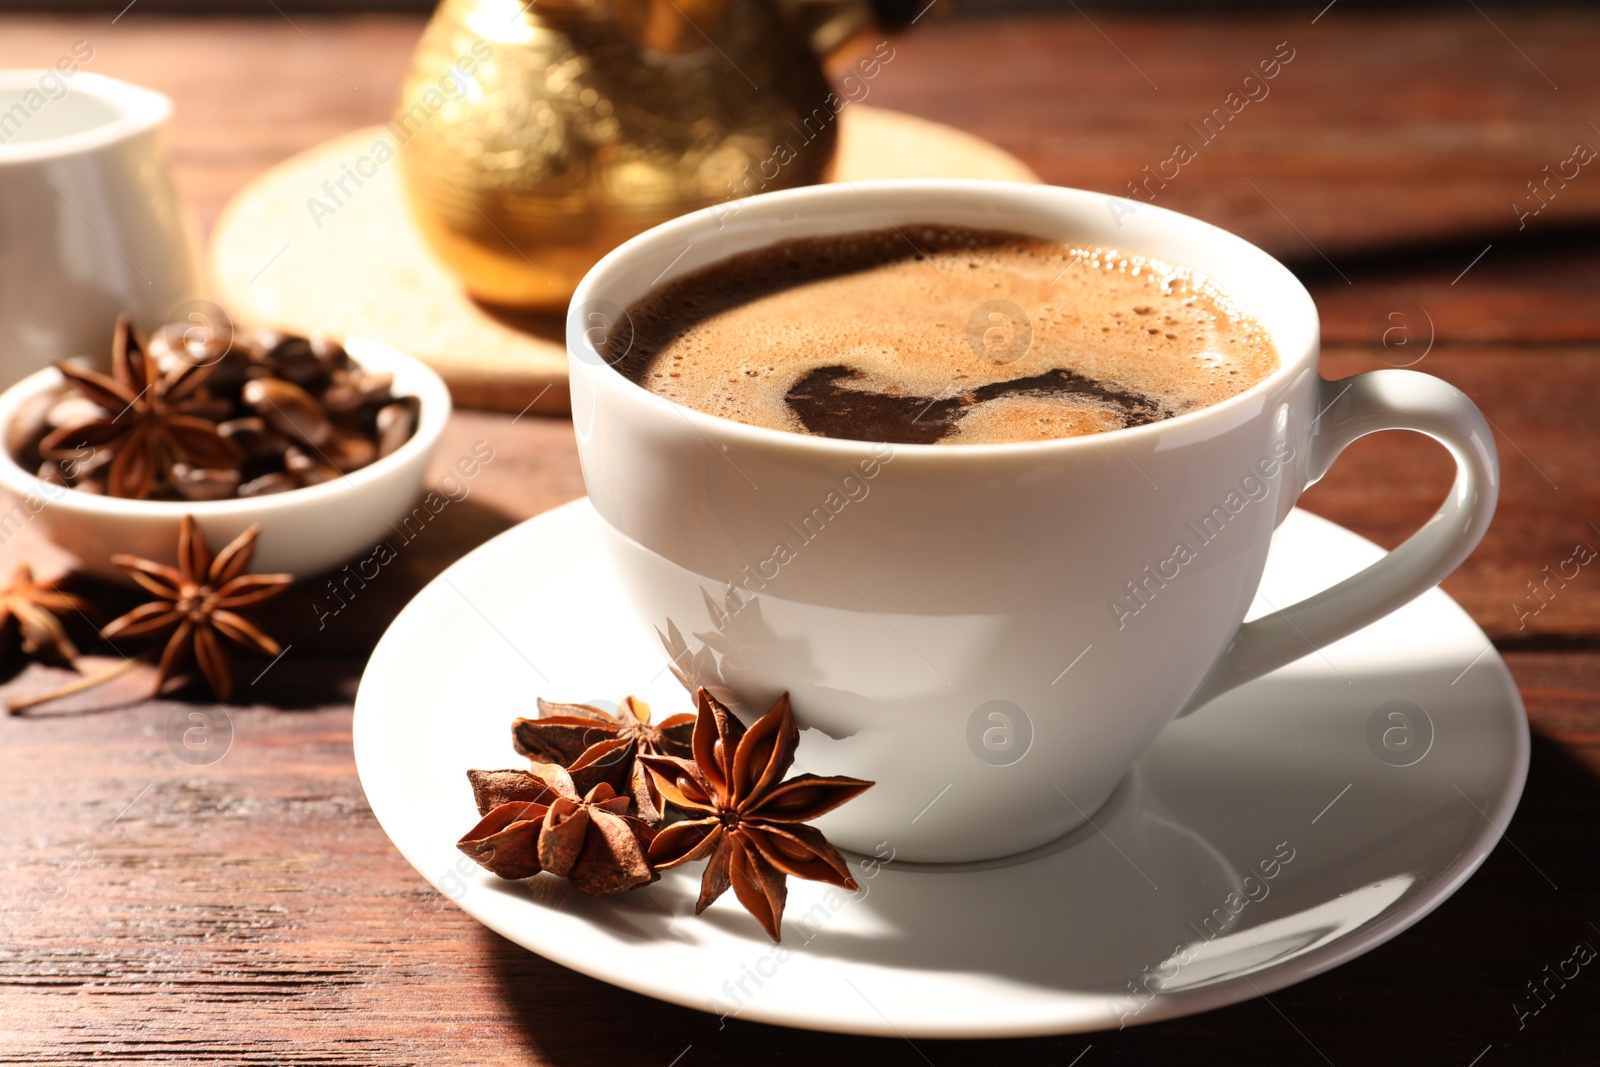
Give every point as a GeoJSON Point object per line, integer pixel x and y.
{"type": "Point", "coordinates": [292, 358]}
{"type": "Point", "coordinates": [242, 429]}
{"type": "Point", "coordinates": [343, 395]}
{"type": "Point", "coordinates": [267, 484]}
{"type": "Point", "coordinates": [74, 410]}
{"type": "Point", "coordinates": [252, 434]}
{"type": "Point", "coordinates": [330, 354]}
{"type": "Point", "coordinates": [231, 372]}
{"type": "Point", "coordinates": [288, 409]}
{"type": "Point", "coordinates": [349, 390]}
{"type": "Point", "coordinates": [396, 423]}
{"type": "Point", "coordinates": [352, 452]}
{"type": "Point", "coordinates": [190, 343]}
{"type": "Point", "coordinates": [306, 468]}
{"type": "Point", "coordinates": [203, 483]}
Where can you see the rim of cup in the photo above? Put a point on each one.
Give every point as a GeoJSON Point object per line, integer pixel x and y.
{"type": "Point", "coordinates": [730, 228]}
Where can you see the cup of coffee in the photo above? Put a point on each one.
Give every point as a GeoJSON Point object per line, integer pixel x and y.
{"type": "Point", "coordinates": [983, 475]}
{"type": "Point", "coordinates": [90, 222]}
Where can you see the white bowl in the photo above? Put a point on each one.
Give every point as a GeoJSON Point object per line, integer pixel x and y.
{"type": "Point", "coordinates": [303, 531]}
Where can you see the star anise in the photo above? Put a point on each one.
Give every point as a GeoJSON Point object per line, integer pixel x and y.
{"type": "Point", "coordinates": [149, 421]}
{"type": "Point", "coordinates": [572, 734]}
{"type": "Point", "coordinates": [33, 605]}
{"type": "Point", "coordinates": [743, 816]}
{"type": "Point", "coordinates": [197, 602]}
{"type": "Point", "coordinates": [537, 821]}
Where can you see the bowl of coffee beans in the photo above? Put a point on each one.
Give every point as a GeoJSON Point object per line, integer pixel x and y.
{"type": "Point", "coordinates": [324, 443]}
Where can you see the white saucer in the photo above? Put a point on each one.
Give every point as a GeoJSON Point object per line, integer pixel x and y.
{"type": "Point", "coordinates": [1304, 761]}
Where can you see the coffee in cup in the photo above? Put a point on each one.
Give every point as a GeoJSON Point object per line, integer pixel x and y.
{"type": "Point", "coordinates": [931, 333]}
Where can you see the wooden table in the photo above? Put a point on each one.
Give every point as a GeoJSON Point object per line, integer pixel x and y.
{"type": "Point", "coordinates": [251, 910]}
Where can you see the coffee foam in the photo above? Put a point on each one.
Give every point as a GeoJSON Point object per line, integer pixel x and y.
{"type": "Point", "coordinates": [936, 320]}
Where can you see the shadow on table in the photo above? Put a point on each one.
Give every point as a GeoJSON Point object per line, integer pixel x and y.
{"type": "Point", "coordinates": [331, 622]}
{"type": "Point", "coordinates": [1447, 990]}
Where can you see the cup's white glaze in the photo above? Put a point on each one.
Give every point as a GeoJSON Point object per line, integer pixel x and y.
{"type": "Point", "coordinates": [90, 222]}
{"type": "Point", "coordinates": [992, 633]}
{"type": "Point", "coordinates": [303, 532]}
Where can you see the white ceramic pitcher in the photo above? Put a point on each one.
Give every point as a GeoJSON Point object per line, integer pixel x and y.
{"type": "Point", "coordinates": [90, 223]}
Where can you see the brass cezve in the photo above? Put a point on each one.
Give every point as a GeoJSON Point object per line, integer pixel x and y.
{"type": "Point", "coordinates": [588, 122]}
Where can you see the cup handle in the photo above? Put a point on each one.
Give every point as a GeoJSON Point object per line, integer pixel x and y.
{"type": "Point", "coordinates": [1351, 408]}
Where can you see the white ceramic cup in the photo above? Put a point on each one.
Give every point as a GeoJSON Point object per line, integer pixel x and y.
{"type": "Point", "coordinates": [992, 633]}
{"type": "Point", "coordinates": [90, 223]}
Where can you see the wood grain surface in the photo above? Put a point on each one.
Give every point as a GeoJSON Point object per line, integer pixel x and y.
{"type": "Point", "coordinates": [250, 910]}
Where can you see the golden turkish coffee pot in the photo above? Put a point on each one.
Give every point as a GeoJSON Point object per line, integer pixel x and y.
{"type": "Point", "coordinates": [536, 137]}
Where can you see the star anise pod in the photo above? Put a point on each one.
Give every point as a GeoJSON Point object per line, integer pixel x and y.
{"type": "Point", "coordinates": [572, 734]}
{"type": "Point", "coordinates": [196, 602]}
{"type": "Point", "coordinates": [537, 821]}
{"type": "Point", "coordinates": [743, 816]}
{"type": "Point", "coordinates": [149, 422]}
{"type": "Point", "coordinates": [33, 605]}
